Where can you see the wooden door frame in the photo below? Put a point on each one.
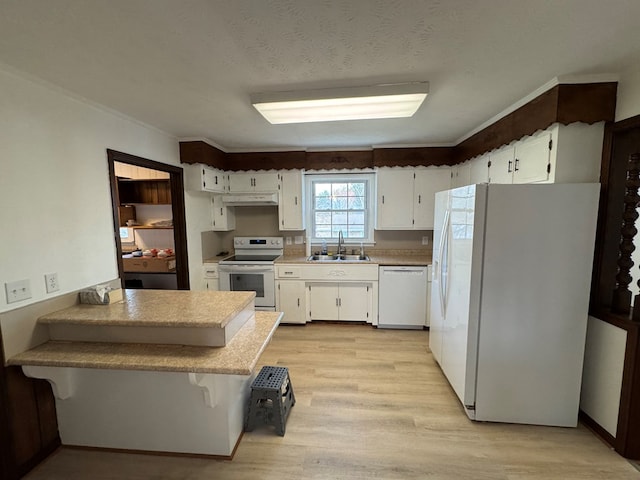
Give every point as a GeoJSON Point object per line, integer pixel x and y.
{"type": "Point", "coordinates": [176, 182]}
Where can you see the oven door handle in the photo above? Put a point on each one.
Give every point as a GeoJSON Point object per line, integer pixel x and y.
{"type": "Point", "coordinates": [245, 268]}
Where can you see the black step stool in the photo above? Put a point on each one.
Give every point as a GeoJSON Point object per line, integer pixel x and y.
{"type": "Point", "coordinates": [271, 399]}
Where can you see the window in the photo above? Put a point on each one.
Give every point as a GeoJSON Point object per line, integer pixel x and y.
{"type": "Point", "coordinates": [341, 202]}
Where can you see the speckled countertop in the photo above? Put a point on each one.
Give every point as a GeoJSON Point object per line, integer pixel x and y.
{"type": "Point", "coordinates": [159, 308]}
{"type": "Point", "coordinates": [238, 357]}
{"type": "Point", "coordinates": [381, 257]}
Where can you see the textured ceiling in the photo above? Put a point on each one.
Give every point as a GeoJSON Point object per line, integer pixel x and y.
{"type": "Point", "coordinates": [188, 67]}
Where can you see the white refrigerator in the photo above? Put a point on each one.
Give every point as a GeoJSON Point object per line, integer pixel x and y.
{"type": "Point", "coordinates": [509, 299]}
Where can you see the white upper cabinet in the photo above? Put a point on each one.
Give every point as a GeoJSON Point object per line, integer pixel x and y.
{"type": "Point", "coordinates": [406, 196]}
{"type": "Point", "coordinates": [223, 217]}
{"type": "Point", "coordinates": [562, 153]}
{"type": "Point", "coordinates": [527, 161]}
{"type": "Point", "coordinates": [531, 163]}
{"type": "Point", "coordinates": [202, 178]}
{"type": "Point", "coordinates": [291, 200]}
{"type": "Point", "coordinates": [248, 182]}
{"type": "Point", "coordinates": [479, 171]}
{"type": "Point", "coordinates": [501, 167]}
{"type": "Point", "coordinates": [428, 182]}
{"type": "Point", "coordinates": [460, 175]}
{"type": "Point", "coordinates": [395, 199]}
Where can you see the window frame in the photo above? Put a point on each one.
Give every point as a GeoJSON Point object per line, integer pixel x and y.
{"type": "Point", "coordinates": [370, 185]}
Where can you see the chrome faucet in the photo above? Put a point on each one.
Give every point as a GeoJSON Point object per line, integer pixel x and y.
{"type": "Point", "coordinates": [341, 248]}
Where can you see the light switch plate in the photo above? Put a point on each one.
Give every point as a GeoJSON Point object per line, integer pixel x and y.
{"type": "Point", "coordinates": [18, 291]}
{"type": "Point", "coordinates": [298, 239]}
{"type": "Point", "coordinates": [425, 240]}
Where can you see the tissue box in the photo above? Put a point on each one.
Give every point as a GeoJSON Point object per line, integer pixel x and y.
{"type": "Point", "coordinates": [100, 295]}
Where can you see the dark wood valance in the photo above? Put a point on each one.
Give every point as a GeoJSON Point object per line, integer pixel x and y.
{"type": "Point", "coordinates": [564, 103]}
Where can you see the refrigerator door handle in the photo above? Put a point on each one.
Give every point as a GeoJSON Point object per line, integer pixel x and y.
{"type": "Point", "coordinates": [444, 240]}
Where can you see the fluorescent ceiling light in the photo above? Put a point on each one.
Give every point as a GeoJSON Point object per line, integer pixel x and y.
{"type": "Point", "coordinates": [380, 101]}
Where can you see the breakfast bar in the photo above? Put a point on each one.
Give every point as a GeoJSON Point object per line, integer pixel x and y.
{"type": "Point", "coordinates": [160, 397]}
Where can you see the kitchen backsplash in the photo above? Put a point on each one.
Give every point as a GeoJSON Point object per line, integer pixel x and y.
{"type": "Point", "coordinates": [263, 221]}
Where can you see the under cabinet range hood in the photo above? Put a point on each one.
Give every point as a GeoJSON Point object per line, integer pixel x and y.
{"type": "Point", "coordinates": [249, 199]}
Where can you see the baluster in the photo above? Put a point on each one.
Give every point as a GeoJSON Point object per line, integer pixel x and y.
{"type": "Point", "coordinates": [621, 302]}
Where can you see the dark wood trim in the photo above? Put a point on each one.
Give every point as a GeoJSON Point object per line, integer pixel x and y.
{"type": "Point", "coordinates": [27, 409]}
{"type": "Point", "coordinates": [591, 424]}
{"type": "Point", "coordinates": [7, 462]}
{"type": "Point", "coordinates": [201, 152]}
{"type": "Point", "coordinates": [564, 103]}
{"type": "Point", "coordinates": [265, 161]}
{"type": "Point", "coordinates": [413, 157]}
{"type": "Point", "coordinates": [176, 180]}
{"type": "Point", "coordinates": [613, 176]}
{"type": "Point", "coordinates": [586, 102]}
{"type": "Point", "coordinates": [339, 160]}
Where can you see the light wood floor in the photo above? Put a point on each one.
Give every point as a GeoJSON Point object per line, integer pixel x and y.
{"type": "Point", "coordinates": [370, 404]}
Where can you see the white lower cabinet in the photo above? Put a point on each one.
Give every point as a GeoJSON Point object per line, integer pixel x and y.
{"type": "Point", "coordinates": [211, 278]}
{"type": "Point", "coordinates": [291, 299]}
{"type": "Point", "coordinates": [340, 301]}
{"type": "Point", "coordinates": [346, 292]}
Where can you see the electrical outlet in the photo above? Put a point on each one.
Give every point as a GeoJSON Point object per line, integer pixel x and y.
{"type": "Point", "coordinates": [288, 240]}
{"type": "Point", "coordinates": [51, 280]}
{"type": "Point", "coordinates": [425, 240]}
{"type": "Point", "coordinates": [18, 291]}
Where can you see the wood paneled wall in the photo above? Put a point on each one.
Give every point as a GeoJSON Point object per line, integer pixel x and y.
{"type": "Point", "coordinates": [564, 103]}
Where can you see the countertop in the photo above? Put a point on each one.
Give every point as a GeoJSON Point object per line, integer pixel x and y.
{"type": "Point", "coordinates": [159, 308]}
{"type": "Point", "coordinates": [378, 258]}
{"type": "Point", "coordinates": [238, 357]}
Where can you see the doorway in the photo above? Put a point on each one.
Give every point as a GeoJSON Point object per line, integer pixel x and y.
{"type": "Point", "coordinates": [166, 188]}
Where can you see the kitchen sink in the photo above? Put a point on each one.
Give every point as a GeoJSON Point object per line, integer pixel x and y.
{"type": "Point", "coordinates": [338, 258]}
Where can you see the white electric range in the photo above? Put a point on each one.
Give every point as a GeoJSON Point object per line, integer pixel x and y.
{"type": "Point", "coordinates": [252, 268]}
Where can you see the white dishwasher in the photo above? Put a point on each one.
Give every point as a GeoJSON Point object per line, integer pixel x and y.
{"type": "Point", "coordinates": [402, 297]}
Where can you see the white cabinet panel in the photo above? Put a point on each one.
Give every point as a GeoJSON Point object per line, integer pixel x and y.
{"type": "Point", "coordinates": [291, 301]}
{"type": "Point", "coordinates": [253, 182]}
{"type": "Point", "coordinates": [427, 183]}
{"type": "Point", "coordinates": [291, 200]}
{"type": "Point", "coordinates": [501, 169]}
{"type": "Point", "coordinates": [340, 301]}
{"type": "Point", "coordinates": [223, 217]}
{"type": "Point", "coordinates": [323, 301]}
{"type": "Point", "coordinates": [479, 171]}
{"type": "Point", "coordinates": [531, 162]}
{"type": "Point", "coordinates": [395, 199]}
{"type": "Point", "coordinates": [406, 196]}
{"type": "Point", "coordinates": [202, 178]}
{"type": "Point", "coordinates": [354, 301]}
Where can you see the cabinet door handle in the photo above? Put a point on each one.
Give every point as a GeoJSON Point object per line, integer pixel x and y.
{"type": "Point", "coordinates": [515, 168]}
{"type": "Point", "coordinates": [339, 302]}
{"type": "Point", "coordinates": [216, 179]}
{"type": "Point", "coordinates": [295, 200]}
{"type": "Point", "coordinates": [383, 199]}
{"type": "Point", "coordinates": [419, 198]}
{"type": "Point", "coordinates": [221, 211]}
{"type": "Point", "coordinates": [509, 168]}
{"type": "Point", "coordinates": [298, 302]}
{"type": "Point", "coordinates": [336, 302]}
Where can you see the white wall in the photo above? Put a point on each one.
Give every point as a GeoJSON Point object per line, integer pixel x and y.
{"type": "Point", "coordinates": [602, 374]}
{"type": "Point", "coordinates": [54, 187]}
{"type": "Point", "coordinates": [628, 103]}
